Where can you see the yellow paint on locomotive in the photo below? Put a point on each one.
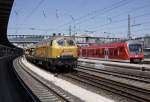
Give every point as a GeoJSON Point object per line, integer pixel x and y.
{"type": "Point", "coordinates": [40, 51]}
{"type": "Point", "coordinates": [55, 51]}
{"type": "Point", "coordinates": [65, 50]}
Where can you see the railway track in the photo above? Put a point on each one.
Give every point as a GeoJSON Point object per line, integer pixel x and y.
{"type": "Point", "coordinates": [136, 72]}
{"type": "Point", "coordinates": [116, 83]}
{"type": "Point", "coordinates": [133, 83]}
{"type": "Point", "coordinates": [125, 81]}
{"type": "Point", "coordinates": [128, 74]}
{"type": "Point", "coordinates": [44, 90]}
{"type": "Point", "coordinates": [101, 82]}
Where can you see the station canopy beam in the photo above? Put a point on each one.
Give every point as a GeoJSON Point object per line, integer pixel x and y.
{"type": "Point", "coordinates": [5, 9]}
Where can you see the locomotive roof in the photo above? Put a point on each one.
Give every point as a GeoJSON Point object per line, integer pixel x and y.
{"type": "Point", "coordinates": [46, 42]}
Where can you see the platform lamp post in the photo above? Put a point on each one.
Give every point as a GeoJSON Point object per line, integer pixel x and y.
{"type": "Point", "coordinates": [74, 26]}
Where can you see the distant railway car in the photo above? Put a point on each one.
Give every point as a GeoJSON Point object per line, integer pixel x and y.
{"type": "Point", "coordinates": [57, 51]}
{"type": "Point", "coordinates": [129, 51]}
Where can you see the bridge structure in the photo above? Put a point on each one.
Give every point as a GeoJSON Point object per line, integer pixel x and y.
{"type": "Point", "coordinates": [5, 9]}
{"type": "Point", "coordinates": [25, 40]}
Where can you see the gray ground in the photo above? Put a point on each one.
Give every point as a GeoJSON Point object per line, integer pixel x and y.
{"type": "Point", "coordinates": [10, 88]}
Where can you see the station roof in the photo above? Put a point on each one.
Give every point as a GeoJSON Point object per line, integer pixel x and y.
{"type": "Point", "coordinates": [5, 9]}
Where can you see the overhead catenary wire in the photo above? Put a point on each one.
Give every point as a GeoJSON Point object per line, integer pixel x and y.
{"type": "Point", "coordinates": [134, 9]}
{"type": "Point", "coordinates": [124, 26]}
{"type": "Point", "coordinates": [129, 11]}
{"type": "Point", "coordinates": [100, 27]}
{"type": "Point", "coordinates": [112, 7]}
{"type": "Point", "coordinates": [90, 16]}
{"type": "Point", "coordinates": [137, 30]}
{"type": "Point", "coordinates": [105, 11]}
{"type": "Point", "coordinates": [27, 17]}
{"type": "Point", "coordinates": [117, 21]}
{"type": "Point", "coordinates": [94, 28]}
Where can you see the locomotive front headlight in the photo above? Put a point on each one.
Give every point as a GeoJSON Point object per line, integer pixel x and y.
{"type": "Point", "coordinates": [58, 56]}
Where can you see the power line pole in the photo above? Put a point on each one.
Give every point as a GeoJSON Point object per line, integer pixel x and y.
{"type": "Point", "coordinates": [129, 28]}
{"type": "Point", "coordinates": [69, 30]}
{"type": "Point", "coordinates": [74, 27]}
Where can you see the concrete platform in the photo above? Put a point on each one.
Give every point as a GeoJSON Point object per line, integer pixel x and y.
{"type": "Point", "coordinates": [96, 61]}
{"type": "Point", "coordinates": [75, 90]}
{"type": "Point", "coordinates": [147, 60]}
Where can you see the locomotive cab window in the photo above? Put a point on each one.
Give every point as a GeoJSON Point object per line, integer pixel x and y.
{"type": "Point", "coordinates": [61, 42]}
{"type": "Point", "coordinates": [70, 42]}
{"type": "Point", "coordinates": [51, 42]}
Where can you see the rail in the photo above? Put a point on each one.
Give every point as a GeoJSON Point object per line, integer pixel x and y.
{"type": "Point", "coordinates": [111, 83]}
{"type": "Point", "coordinates": [41, 87]}
{"type": "Point", "coordinates": [131, 82]}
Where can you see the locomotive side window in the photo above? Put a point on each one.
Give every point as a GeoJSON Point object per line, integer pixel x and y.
{"type": "Point", "coordinates": [115, 52]}
{"type": "Point", "coordinates": [93, 50]}
{"type": "Point", "coordinates": [84, 52]}
{"type": "Point", "coordinates": [70, 42]}
{"type": "Point", "coordinates": [51, 42]}
{"type": "Point", "coordinates": [121, 50]}
{"type": "Point", "coordinates": [87, 53]}
{"type": "Point", "coordinates": [102, 51]}
{"type": "Point", "coordinates": [106, 52]}
{"type": "Point", "coordinates": [97, 52]}
{"type": "Point", "coordinates": [111, 52]}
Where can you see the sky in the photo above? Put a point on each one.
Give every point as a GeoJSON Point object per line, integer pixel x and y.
{"type": "Point", "coordinates": [94, 17]}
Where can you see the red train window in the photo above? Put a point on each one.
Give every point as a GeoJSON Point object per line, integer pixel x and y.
{"type": "Point", "coordinates": [121, 50]}
{"type": "Point", "coordinates": [115, 52]}
{"type": "Point", "coordinates": [97, 52]}
{"type": "Point", "coordinates": [83, 52]}
{"type": "Point", "coordinates": [111, 52]}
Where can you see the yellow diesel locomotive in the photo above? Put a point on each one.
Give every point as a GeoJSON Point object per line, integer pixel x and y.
{"type": "Point", "coordinates": [57, 52]}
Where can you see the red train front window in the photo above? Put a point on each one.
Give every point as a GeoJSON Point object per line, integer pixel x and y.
{"type": "Point", "coordinates": [135, 48]}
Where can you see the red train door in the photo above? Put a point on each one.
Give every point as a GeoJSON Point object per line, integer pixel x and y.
{"type": "Point", "coordinates": [106, 53]}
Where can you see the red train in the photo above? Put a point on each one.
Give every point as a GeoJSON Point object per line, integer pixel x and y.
{"type": "Point", "coordinates": [130, 51]}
